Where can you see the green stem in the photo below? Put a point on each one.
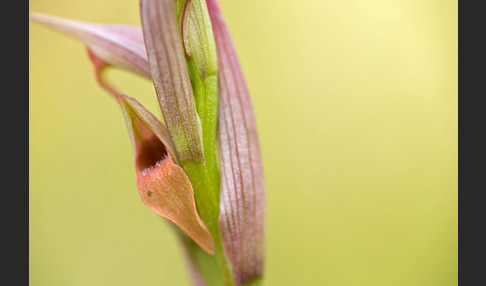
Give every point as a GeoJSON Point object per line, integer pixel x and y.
{"type": "Point", "coordinates": [201, 60]}
{"type": "Point", "coordinates": [206, 193]}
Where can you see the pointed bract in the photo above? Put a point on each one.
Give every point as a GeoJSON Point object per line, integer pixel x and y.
{"type": "Point", "coordinates": [163, 186]}
{"type": "Point", "coordinates": [170, 77]}
{"type": "Point", "coordinates": [118, 45]}
{"type": "Point", "coordinates": [242, 199]}
{"type": "Point", "coordinates": [197, 37]}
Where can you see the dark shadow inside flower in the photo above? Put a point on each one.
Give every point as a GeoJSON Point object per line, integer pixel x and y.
{"type": "Point", "coordinates": [150, 150]}
{"type": "Point", "coordinates": [149, 153]}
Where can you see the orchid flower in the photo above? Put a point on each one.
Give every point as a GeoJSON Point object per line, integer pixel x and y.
{"type": "Point", "coordinates": [200, 165]}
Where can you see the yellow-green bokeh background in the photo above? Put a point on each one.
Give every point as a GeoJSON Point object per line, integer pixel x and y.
{"type": "Point", "coordinates": [356, 105]}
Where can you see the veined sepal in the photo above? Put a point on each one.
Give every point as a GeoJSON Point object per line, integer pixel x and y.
{"type": "Point", "coordinates": [171, 79]}
{"type": "Point", "coordinates": [242, 200]}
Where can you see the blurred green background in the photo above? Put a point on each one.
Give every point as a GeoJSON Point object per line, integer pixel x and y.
{"type": "Point", "coordinates": [356, 105]}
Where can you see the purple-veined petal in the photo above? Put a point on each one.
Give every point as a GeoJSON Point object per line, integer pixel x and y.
{"type": "Point", "coordinates": [242, 199]}
{"type": "Point", "coordinates": [171, 79]}
{"type": "Point", "coordinates": [118, 45]}
{"type": "Point", "coordinates": [163, 186]}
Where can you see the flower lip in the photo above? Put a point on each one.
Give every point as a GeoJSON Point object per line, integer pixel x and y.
{"type": "Point", "coordinates": [163, 186]}
{"type": "Point", "coordinates": [166, 190]}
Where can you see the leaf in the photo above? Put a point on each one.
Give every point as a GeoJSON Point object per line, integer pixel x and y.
{"type": "Point", "coordinates": [242, 200]}
{"type": "Point", "coordinates": [170, 77]}
{"type": "Point", "coordinates": [117, 45]}
{"type": "Point", "coordinates": [163, 186]}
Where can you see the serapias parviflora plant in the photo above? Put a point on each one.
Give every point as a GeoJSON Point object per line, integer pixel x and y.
{"type": "Point", "coordinates": [200, 166]}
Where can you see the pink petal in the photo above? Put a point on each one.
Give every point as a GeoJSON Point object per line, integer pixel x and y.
{"type": "Point", "coordinates": [118, 45]}
{"type": "Point", "coordinates": [242, 200]}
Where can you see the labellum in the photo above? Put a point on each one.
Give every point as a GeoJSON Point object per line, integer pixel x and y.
{"type": "Point", "coordinates": [164, 187]}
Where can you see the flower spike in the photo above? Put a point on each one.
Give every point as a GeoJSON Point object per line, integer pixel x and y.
{"type": "Point", "coordinates": [242, 199]}
{"type": "Point", "coordinates": [163, 186]}
{"type": "Point", "coordinates": [201, 167]}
